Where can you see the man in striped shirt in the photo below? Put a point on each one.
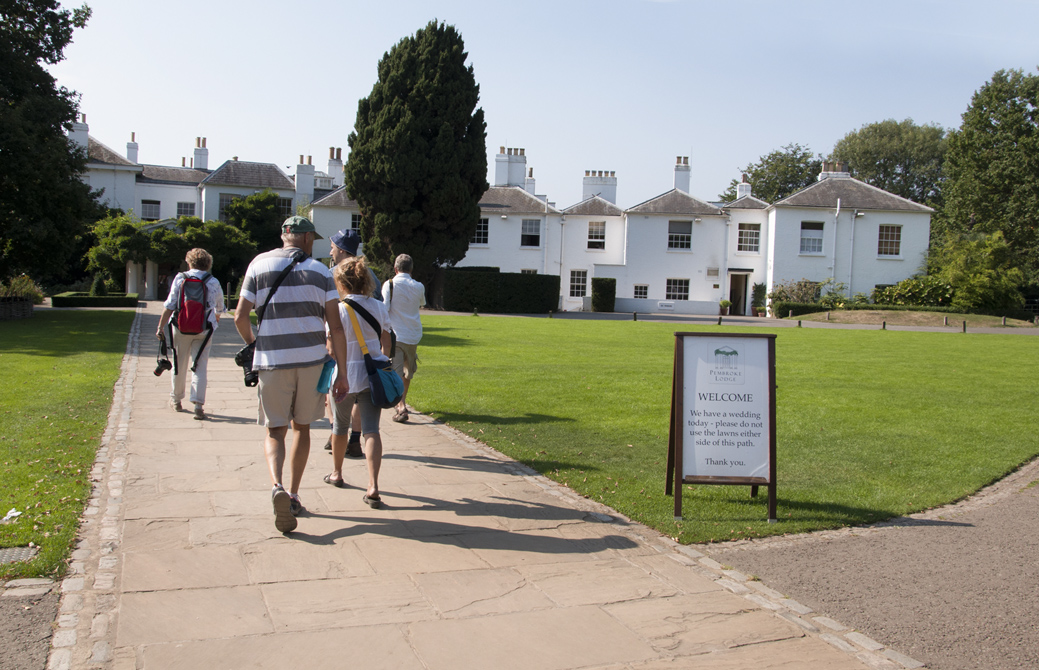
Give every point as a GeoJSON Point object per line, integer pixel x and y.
{"type": "Point", "coordinates": [290, 353]}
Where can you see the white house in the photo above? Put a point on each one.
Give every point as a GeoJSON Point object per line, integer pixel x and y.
{"type": "Point", "coordinates": [674, 252]}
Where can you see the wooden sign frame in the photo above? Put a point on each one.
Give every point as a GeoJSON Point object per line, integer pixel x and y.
{"type": "Point", "coordinates": [677, 433]}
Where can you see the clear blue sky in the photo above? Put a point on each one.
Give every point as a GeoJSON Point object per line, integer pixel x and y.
{"type": "Point", "coordinates": [621, 85]}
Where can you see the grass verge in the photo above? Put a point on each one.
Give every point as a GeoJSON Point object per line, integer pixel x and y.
{"type": "Point", "coordinates": [871, 424]}
{"type": "Point", "coordinates": [59, 369]}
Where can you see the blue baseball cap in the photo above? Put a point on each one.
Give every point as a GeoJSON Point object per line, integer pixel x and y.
{"type": "Point", "coordinates": [347, 240]}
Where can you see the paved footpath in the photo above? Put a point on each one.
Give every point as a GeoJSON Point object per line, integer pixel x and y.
{"type": "Point", "coordinates": [475, 561]}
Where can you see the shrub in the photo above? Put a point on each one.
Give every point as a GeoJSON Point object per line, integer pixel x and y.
{"type": "Point", "coordinates": [925, 290]}
{"type": "Point", "coordinates": [22, 287]}
{"type": "Point", "coordinates": [500, 292]}
{"type": "Point", "coordinates": [98, 289]}
{"type": "Point", "coordinates": [604, 294]}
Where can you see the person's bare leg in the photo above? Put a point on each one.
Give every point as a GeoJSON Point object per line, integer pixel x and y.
{"type": "Point", "coordinates": [373, 456]}
{"type": "Point", "coordinates": [339, 443]}
{"type": "Point", "coordinates": [274, 447]}
{"type": "Point", "coordinates": [299, 452]}
{"type": "Point", "coordinates": [402, 406]}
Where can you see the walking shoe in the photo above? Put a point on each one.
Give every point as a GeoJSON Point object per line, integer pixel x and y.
{"type": "Point", "coordinates": [295, 506]}
{"type": "Point", "coordinates": [284, 520]}
{"type": "Point", "coordinates": [353, 448]}
{"type": "Point", "coordinates": [199, 412]}
{"type": "Point", "coordinates": [175, 404]}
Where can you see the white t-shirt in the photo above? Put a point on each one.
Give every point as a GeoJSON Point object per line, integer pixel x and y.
{"type": "Point", "coordinates": [356, 373]}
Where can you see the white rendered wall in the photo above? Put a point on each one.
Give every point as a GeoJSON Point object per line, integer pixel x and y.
{"type": "Point", "coordinates": [328, 221]}
{"type": "Point", "coordinates": [574, 253]}
{"type": "Point", "coordinates": [853, 261]}
{"type": "Point", "coordinates": [168, 196]}
{"type": "Point", "coordinates": [503, 249]}
{"type": "Point", "coordinates": [119, 184]}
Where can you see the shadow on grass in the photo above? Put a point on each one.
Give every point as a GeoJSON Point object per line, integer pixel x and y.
{"type": "Point", "coordinates": [70, 333]}
{"type": "Point", "coordinates": [435, 337]}
{"type": "Point", "coordinates": [458, 420]}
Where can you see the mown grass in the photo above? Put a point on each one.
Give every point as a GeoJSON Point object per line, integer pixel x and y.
{"type": "Point", "coordinates": [59, 369]}
{"type": "Point", "coordinates": [871, 424]}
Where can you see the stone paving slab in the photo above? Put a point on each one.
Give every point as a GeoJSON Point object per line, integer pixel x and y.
{"type": "Point", "coordinates": [474, 561]}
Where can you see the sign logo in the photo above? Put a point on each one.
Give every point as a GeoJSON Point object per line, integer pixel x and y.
{"type": "Point", "coordinates": [727, 367]}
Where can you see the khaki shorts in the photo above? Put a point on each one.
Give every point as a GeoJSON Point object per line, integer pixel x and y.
{"type": "Point", "coordinates": [405, 360]}
{"type": "Point", "coordinates": [290, 395]}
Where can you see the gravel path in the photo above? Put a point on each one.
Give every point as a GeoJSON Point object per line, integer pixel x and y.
{"type": "Point", "coordinates": [955, 587]}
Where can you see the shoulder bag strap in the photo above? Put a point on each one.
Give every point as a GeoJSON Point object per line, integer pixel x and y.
{"type": "Point", "coordinates": [296, 258]}
{"type": "Point", "coordinates": [366, 315]}
{"type": "Point", "coordinates": [357, 328]}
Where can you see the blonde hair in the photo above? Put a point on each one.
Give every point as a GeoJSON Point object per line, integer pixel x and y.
{"type": "Point", "coordinates": [353, 276]}
{"type": "Point", "coordinates": [199, 259]}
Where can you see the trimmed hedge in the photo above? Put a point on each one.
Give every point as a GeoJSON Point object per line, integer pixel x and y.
{"type": "Point", "coordinates": [499, 292]}
{"type": "Point", "coordinates": [604, 294]}
{"type": "Point", "coordinates": [85, 300]}
{"type": "Point", "coordinates": [782, 309]}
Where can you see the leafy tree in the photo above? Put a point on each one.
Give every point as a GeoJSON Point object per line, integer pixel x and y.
{"type": "Point", "coordinates": [981, 269]}
{"type": "Point", "coordinates": [418, 155]}
{"type": "Point", "coordinates": [120, 240]}
{"type": "Point", "coordinates": [231, 248]}
{"type": "Point", "coordinates": [779, 174]}
{"type": "Point", "coordinates": [992, 167]}
{"type": "Point", "coordinates": [259, 217]}
{"type": "Point", "coordinates": [897, 156]}
{"type": "Point", "coordinates": [45, 207]}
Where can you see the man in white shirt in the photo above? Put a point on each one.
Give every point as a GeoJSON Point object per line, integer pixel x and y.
{"type": "Point", "coordinates": [404, 296]}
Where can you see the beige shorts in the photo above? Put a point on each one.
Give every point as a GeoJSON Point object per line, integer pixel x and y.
{"type": "Point", "coordinates": [405, 360]}
{"type": "Point", "coordinates": [290, 395]}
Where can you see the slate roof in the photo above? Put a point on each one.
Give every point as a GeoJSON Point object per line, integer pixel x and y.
{"type": "Point", "coordinates": [854, 194]}
{"type": "Point", "coordinates": [746, 202]}
{"type": "Point", "coordinates": [99, 153]}
{"type": "Point", "coordinates": [594, 206]}
{"type": "Point", "coordinates": [676, 202]}
{"type": "Point", "coordinates": [161, 174]}
{"type": "Point", "coordinates": [255, 175]}
{"type": "Point", "coordinates": [337, 198]}
{"type": "Point", "coordinates": [514, 200]}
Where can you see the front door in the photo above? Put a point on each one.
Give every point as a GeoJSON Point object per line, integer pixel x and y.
{"type": "Point", "coordinates": [738, 294]}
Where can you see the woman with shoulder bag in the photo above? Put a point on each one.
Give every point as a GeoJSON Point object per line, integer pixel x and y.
{"type": "Point", "coordinates": [355, 284]}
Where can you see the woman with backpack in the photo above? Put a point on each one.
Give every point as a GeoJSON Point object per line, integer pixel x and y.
{"type": "Point", "coordinates": [192, 311]}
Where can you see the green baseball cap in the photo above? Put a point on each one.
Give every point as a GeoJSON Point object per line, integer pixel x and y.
{"type": "Point", "coordinates": [300, 224]}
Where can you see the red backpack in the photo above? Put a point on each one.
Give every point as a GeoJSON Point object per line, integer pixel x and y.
{"type": "Point", "coordinates": [190, 316]}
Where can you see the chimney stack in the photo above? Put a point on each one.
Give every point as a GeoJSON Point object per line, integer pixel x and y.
{"type": "Point", "coordinates": [335, 166]}
{"type": "Point", "coordinates": [602, 183]}
{"type": "Point", "coordinates": [80, 133]}
{"type": "Point", "coordinates": [510, 167]}
{"type": "Point", "coordinates": [743, 188]}
{"type": "Point", "coordinates": [201, 160]}
{"type": "Point", "coordinates": [682, 173]}
{"type": "Point", "coordinates": [131, 148]}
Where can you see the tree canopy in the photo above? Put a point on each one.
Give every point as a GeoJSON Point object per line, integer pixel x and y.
{"type": "Point", "coordinates": [45, 206]}
{"type": "Point", "coordinates": [897, 156]}
{"type": "Point", "coordinates": [258, 216]}
{"type": "Point", "coordinates": [779, 174]}
{"type": "Point", "coordinates": [992, 167]}
{"type": "Point", "coordinates": [418, 156]}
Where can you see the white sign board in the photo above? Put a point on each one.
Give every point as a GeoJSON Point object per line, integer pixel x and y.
{"type": "Point", "coordinates": [726, 407]}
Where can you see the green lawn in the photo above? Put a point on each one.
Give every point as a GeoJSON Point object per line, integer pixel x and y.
{"type": "Point", "coordinates": [59, 369]}
{"type": "Point", "coordinates": [871, 424]}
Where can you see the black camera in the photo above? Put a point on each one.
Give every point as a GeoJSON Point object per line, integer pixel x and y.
{"type": "Point", "coordinates": [162, 361]}
{"type": "Point", "coordinates": [244, 360]}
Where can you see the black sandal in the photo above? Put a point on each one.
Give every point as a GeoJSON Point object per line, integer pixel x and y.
{"type": "Point", "coordinates": [338, 483]}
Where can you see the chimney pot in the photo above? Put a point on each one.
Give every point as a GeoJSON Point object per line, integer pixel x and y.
{"type": "Point", "coordinates": [84, 117]}
{"type": "Point", "coordinates": [301, 159]}
{"type": "Point", "coordinates": [502, 150]}
{"type": "Point", "coordinates": [133, 137]}
{"type": "Point", "coordinates": [203, 143]}
{"type": "Point", "coordinates": [531, 173]}
{"type": "Point", "coordinates": [198, 142]}
{"type": "Point", "coordinates": [193, 162]}
{"type": "Point", "coordinates": [308, 160]}
{"type": "Point", "coordinates": [331, 153]}
{"type": "Point", "coordinates": [523, 152]}
{"type": "Point", "coordinates": [234, 158]}
{"type": "Point", "coordinates": [183, 161]}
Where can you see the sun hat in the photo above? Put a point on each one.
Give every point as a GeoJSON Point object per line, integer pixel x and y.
{"type": "Point", "coordinates": [348, 240]}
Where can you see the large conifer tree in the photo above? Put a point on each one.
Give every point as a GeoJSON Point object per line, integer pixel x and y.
{"type": "Point", "coordinates": [45, 207]}
{"type": "Point", "coordinates": [418, 157]}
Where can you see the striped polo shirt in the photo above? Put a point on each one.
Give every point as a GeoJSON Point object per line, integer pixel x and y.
{"type": "Point", "coordinates": [292, 333]}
